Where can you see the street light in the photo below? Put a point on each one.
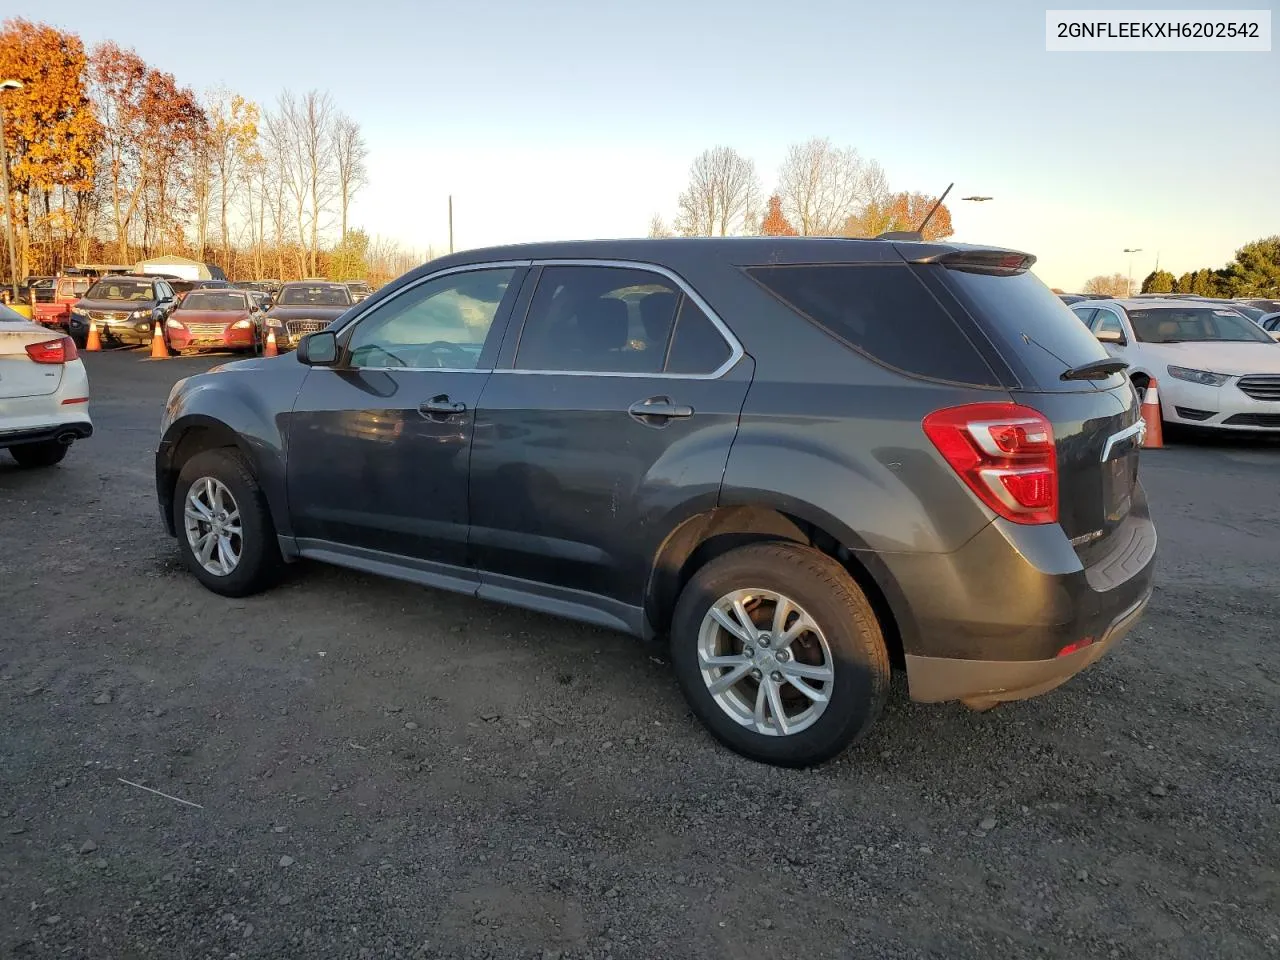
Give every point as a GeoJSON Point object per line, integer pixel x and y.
{"type": "Point", "coordinates": [1131, 251]}
{"type": "Point", "coordinates": [4, 184]}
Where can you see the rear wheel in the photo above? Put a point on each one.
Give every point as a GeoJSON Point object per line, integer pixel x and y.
{"type": "Point", "coordinates": [44, 454]}
{"type": "Point", "coordinates": [779, 654]}
{"type": "Point", "coordinates": [224, 528]}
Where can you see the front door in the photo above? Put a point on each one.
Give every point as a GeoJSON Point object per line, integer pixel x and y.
{"type": "Point", "coordinates": [615, 414]}
{"type": "Point", "coordinates": [378, 446]}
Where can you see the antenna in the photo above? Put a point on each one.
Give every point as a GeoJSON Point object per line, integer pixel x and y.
{"type": "Point", "coordinates": [934, 209]}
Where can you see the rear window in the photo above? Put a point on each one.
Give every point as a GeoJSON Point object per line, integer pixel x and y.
{"type": "Point", "coordinates": [1029, 324]}
{"type": "Point", "coordinates": [884, 312]}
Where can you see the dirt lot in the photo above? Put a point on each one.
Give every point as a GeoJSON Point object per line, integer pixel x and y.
{"type": "Point", "coordinates": [385, 771]}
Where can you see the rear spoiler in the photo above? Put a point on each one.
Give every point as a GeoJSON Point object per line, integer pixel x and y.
{"type": "Point", "coordinates": [993, 260]}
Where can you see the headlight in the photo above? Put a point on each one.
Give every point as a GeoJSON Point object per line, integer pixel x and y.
{"type": "Point", "coordinates": [140, 314]}
{"type": "Point", "coordinates": [173, 324]}
{"type": "Point", "coordinates": [242, 324]}
{"type": "Point", "coordinates": [1203, 377]}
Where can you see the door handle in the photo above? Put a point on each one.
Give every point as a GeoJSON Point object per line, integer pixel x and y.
{"type": "Point", "coordinates": [658, 410]}
{"type": "Point", "coordinates": [441, 405]}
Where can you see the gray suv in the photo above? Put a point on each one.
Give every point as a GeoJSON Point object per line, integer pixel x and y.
{"type": "Point", "coordinates": [803, 461]}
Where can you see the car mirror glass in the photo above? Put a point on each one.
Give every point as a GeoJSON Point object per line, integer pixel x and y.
{"type": "Point", "coordinates": [318, 349]}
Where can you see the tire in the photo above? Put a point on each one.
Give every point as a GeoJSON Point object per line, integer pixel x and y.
{"type": "Point", "coordinates": [43, 454]}
{"type": "Point", "coordinates": [259, 563]}
{"type": "Point", "coordinates": [854, 645]}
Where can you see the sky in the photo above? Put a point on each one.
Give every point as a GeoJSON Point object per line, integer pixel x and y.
{"type": "Point", "coordinates": [567, 119]}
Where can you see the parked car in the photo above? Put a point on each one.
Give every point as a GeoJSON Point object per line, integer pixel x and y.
{"type": "Point", "coordinates": [1069, 298]}
{"type": "Point", "coordinates": [1271, 323]}
{"type": "Point", "coordinates": [44, 392]}
{"type": "Point", "coordinates": [1259, 303]}
{"type": "Point", "coordinates": [1216, 368]}
{"type": "Point", "coordinates": [359, 290]}
{"type": "Point", "coordinates": [126, 308]}
{"type": "Point", "coordinates": [57, 311]}
{"type": "Point", "coordinates": [41, 287]}
{"type": "Point", "coordinates": [215, 319]}
{"type": "Point", "coordinates": [304, 307]}
{"type": "Point", "coordinates": [734, 443]}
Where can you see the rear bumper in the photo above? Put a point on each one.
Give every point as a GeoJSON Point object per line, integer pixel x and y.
{"type": "Point", "coordinates": [987, 682]}
{"type": "Point", "coordinates": [63, 432]}
{"type": "Point", "coordinates": [991, 619]}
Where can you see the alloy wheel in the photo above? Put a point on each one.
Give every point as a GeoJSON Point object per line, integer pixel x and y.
{"type": "Point", "coordinates": [211, 519]}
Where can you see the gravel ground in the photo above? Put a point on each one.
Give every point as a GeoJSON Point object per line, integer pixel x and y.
{"type": "Point", "coordinates": [376, 770]}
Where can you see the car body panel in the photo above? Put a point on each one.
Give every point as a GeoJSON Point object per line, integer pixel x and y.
{"type": "Point", "coordinates": [38, 401]}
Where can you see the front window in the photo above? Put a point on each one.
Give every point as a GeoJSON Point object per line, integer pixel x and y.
{"type": "Point", "coordinates": [73, 287]}
{"type": "Point", "coordinates": [215, 300]}
{"type": "Point", "coordinates": [116, 288]}
{"type": "Point", "coordinates": [1195, 325]}
{"type": "Point", "coordinates": [305, 295]}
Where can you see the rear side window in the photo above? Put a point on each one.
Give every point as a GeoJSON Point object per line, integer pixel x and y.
{"type": "Point", "coordinates": [884, 312]}
{"type": "Point", "coordinates": [1029, 323]}
{"type": "Point", "coordinates": [696, 346]}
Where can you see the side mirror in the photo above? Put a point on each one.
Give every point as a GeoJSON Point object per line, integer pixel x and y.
{"type": "Point", "coordinates": [1111, 336]}
{"type": "Point", "coordinates": [318, 349]}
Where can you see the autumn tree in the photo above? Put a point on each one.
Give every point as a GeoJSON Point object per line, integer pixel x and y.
{"type": "Point", "coordinates": [349, 259]}
{"type": "Point", "coordinates": [1111, 285]}
{"type": "Point", "coordinates": [1158, 281]}
{"type": "Point", "coordinates": [774, 223]}
{"type": "Point", "coordinates": [903, 211]}
{"type": "Point", "coordinates": [303, 135]}
{"type": "Point", "coordinates": [722, 192]}
{"type": "Point", "coordinates": [232, 143]}
{"type": "Point", "coordinates": [822, 186]}
{"type": "Point", "coordinates": [658, 227]}
{"type": "Point", "coordinates": [50, 130]}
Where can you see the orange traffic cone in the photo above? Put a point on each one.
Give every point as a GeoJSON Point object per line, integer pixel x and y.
{"type": "Point", "coordinates": [159, 349]}
{"type": "Point", "coordinates": [93, 342]}
{"type": "Point", "coordinates": [1154, 438]}
{"type": "Point", "coordinates": [270, 350]}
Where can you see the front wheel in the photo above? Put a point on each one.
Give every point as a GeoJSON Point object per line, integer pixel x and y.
{"type": "Point", "coordinates": [225, 532]}
{"type": "Point", "coordinates": [44, 454]}
{"type": "Point", "coordinates": [780, 654]}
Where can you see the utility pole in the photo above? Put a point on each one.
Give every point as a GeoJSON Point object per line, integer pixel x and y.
{"type": "Point", "coordinates": [451, 223]}
{"type": "Point", "coordinates": [1131, 251]}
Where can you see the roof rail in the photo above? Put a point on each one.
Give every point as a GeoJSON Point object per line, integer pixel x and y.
{"type": "Point", "coordinates": [901, 235]}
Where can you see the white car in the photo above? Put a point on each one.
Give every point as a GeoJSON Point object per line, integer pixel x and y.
{"type": "Point", "coordinates": [1215, 367]}
{"type": "Point", "coordinates": [44, 392]}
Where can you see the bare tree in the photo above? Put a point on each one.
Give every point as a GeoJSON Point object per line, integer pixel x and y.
{"type": "Point", "coordinates": [1113, 285]}
{"type": "Point", "coordinates": [722, 194]}
{"type": "Point", "coordinates": [823, 186]}
{"type": "Point", "coordinates": [349, 153]}
{"type": "Point", "coordinates": [303, 128]}
{"type": "Point", "coordinates": [658, 227]}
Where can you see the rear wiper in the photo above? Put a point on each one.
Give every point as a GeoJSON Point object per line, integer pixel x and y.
{"type": "Point", "coordinates": [1094, 369]}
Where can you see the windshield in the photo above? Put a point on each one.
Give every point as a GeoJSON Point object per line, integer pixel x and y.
{"type": "Point", "coordinates": [308, 296]}
{"type": "Point", "coordinates": [214, 300]}
{"type": "Point", "coordinates": [118, 288]}
{"type": "Point", "coordinates": [1195, 324]}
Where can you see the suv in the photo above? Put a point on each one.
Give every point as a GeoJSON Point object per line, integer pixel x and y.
{"type": "Point", "coordinates": [125, 307]}
{"type": "Point", "coordinates": [802, 460]}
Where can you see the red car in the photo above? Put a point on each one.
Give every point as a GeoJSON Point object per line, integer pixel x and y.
{"type": "Point", "coordinates": [57, 312]}
{"type": "Point", "coordinates": [216, 319]}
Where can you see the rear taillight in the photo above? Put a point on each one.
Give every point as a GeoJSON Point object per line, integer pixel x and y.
{"type": "Point", "coordinates": [62, 350]}
{"type": "Point", "coordinates": [1006, 455]}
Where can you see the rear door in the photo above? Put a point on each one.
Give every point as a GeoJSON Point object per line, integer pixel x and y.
{"type": "Point", "coordinates": [614, 409]}
{"type": "Point", "coordinates": [1096, 422]}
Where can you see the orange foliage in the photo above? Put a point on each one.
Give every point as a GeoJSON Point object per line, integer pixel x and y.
{"type": "Point", "coordinates": [774, 223]}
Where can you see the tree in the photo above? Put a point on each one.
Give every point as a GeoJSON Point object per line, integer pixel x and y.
{"type": "Point", "coordinates": [1204, 283]}
{"type": "Point", "coordinates": [774, 223]}
{"type": "Point", "coordinates": [303, 134]}
{"type": "Point", "coordinates": [349, 259]}
{"type": "Point", "coordinates": [232, 142]}
{"type": "Point", "coordinates": [50, 130]}
{"type": "Point", "coordinates": [1112, 285]}
{"type": "Point", "coordinates": [658, 227]}
{"type": "Point", "coordinates": [722, 192]}
{"type": "Point", "coordinates": [1184, 283]}
{"type": "Point", "coordinates": [350, 153]}
{"type": "Point", "coordinates": [1255, 271]}
{"type": "Point", "coordinates": [901, 211]}
{"type": "Point", "coordinates": [1158, 281]}
{"type": "Point", "coordinates": [822, 186]}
